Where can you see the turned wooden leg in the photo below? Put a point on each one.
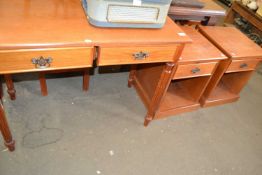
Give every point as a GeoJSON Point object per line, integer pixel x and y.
{"type": "Point", "coordinates": [43, 85]}
{"type": "Point", "coordinates": [86, 80]}
{"type": "Point", "coordinates": [1, 90]}
{"type": "Point", "coordinates": [4, 128]}
{"type": "Point", "coordinates": [131, 75]}
{"type": "Point", "coordinates": [160, 91]}
{"type": "Point", "coordinates": [10, 86]}
{"type": "Point", "coordinates": [148, 119]}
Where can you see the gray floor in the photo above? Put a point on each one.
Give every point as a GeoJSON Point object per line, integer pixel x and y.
{"type": "Point", "coordinates": [101, 132]}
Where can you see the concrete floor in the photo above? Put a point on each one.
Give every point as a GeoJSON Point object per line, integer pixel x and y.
{"type": "Point", "coordinates": [71, 132]}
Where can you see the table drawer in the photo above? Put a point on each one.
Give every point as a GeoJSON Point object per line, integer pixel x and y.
{"type": "Point", "coordinates": [194, 70]}
{"type": "Point", "coordinates": [135, 55]}
{"type": "Point", "coordinates": [14, 61]}
{"type": "Point", "coordinates": [242, 65]}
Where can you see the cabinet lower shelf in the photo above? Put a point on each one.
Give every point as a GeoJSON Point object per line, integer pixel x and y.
{"type": "Point", "coordinates": [228, 89]}
{"type": "Point", "coordinates": [220, 95]}
{"type": "Point", "coordinates": [182, 96]}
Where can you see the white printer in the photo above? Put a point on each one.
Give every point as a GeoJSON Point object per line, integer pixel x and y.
{"type": "Point", "coordinates": [127, 13]}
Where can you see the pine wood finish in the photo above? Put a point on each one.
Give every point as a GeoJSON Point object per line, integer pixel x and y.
{"type": "Point", "coordinates": [17, 61]}
{"type": "Point", "coordinates": [152, 89]}
{"type": "Point", "coordinates": [60, 29]}
{"type": "Point", "coordinates": [4, 128]}
{"type": "Point", "coordinates": [10, 86]}
{"type": "Point", "coordinates": [1, 89]}
{"type": "Point", "coordinates": [43, 84]}
{"type": "Point", "coordinates": [61, 33]}
{"type": "Point", "coordinates": [242, 65]}
{"type": "Point", "coordinates": [64, 24]}
{"type": "Point", "coordinates": [194, 70]}
{"type": "Point", "coordinates": [231, 42]}
{"type": "Point", "coordinates": [182, 94]}
{"type": "Point", "coordinates": [125, 55]}
{"type": "Point", "coordinates": [85, 85]}
{"type": "Point", "coordinates": [232, 74]}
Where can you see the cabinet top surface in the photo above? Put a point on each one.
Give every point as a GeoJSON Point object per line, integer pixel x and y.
{"type": "Point", "coordinates": [200, 49]}
{"type": "Point", "coordinates": [232, 42]}
{"type": "Point", "coordinates": [56, 23]}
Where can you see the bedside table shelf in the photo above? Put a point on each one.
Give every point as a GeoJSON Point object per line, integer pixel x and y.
{"type": "Point", "coordinates": [232, 74]}
{"type": "Point", "coordinates": [228, 88]}
{"type": "Point", "coordinates": [182, 96]}
{"type": "Point", "coordinates": [192, 74]}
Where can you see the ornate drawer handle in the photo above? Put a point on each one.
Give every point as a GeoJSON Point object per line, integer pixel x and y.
{"type": "Point", "coordinates": [41, 62]}
{"type": "Point", "coordinates": [195, 70]}
{"type": "Point", "coordinates": [140, 55]}
{"type": "Point", "coordinates": [244, 65]}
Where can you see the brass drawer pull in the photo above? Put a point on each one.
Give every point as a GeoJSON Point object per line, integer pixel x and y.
{"type": "Point", "coordinates": [41, 62]}
{"type": "Point", "coordinates": [195, 70]}
{"type": "Point", "coordinates": [243, 65]}
{"type": "Point", "coordinates": [140, 55]}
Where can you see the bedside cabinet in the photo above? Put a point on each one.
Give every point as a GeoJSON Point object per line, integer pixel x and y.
{"type": "Point", "coordinates": [232, 74]}
{"type": "Point", "coordinates": [193, 72]}
{"type": "Point", "coordinates": [151, 53]}
{"type": "Point", "coordinates": [190, 76]}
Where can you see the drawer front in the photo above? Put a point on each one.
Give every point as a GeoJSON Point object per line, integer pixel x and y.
{"type": "Point", "coordinates": [241, 65]}
{"type": "Point", "coordinates": [45, 59]}
{"type": "Point", "coordinates": [135, 55]}
{"type": "Point", "coordinates": [194, 70]}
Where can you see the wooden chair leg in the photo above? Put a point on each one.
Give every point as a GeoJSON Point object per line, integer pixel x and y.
{"type": "Point", "coordinates": [43, 85]}
{"type": "Point", "coordinates": [4, 128]}
{"type": "Point", "coordinates": [10, 86]}
{"type": "Point", "coordinates": [86, 80]}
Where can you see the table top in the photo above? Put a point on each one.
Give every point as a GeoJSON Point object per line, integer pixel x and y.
{"type": "Point", "coordinates": [56, 23]}
{"type": "Point", "coordinates": [232, 42]}
{"type": "Point", "coordinates": [211, 8]}
{"type": "Point", "coordinates": [200, 49]}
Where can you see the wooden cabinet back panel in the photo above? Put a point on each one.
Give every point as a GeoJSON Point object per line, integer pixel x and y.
{"type": "Point", "coordinates": [194, 70]}
{"type": "Point", "coordinates": [62, 58]}
{"type": "Point", "coordinates": [125, 55]}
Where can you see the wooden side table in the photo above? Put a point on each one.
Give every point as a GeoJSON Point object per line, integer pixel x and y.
{"type": "Point", "coordinates": [139, 46]}
{"type": "Point", "coordinates": [189, 78]}
{"type": "Point", "coordinates": [232, 74]}
{"type": "Point", "coordinates": [56, 42]}
{"type": "Point", "coordinates": [67, 37]}
{"type": "Point", "coordinates": [208, 15]}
